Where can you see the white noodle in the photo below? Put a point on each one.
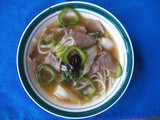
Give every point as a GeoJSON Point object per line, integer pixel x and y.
{"type": "Point", "coordinates": [69, 43]}
{"type": "Point", "coordinates": [100, 75]}
{"type": "Point", "coordinates": [46, 46]}
{"type": "Point", "coordinates": [63, 40]}
{"type": "Point", "coordinates": [81, 87]}
{"type": "Point", "coordinates": [40, 51]}
{"type": "Point", "coordinates": [94, 76]}
{"type": "Point", "coordinates": [103, 89]}
{"type": "Point", "coordinates": [104, 75]}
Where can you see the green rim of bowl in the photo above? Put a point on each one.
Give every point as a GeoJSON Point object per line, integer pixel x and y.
{"type": "Point", "coordinates": [36, 21]}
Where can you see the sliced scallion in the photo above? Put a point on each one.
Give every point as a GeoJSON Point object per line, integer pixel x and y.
{"type": "Point", "coordinates": [48, 68]}
{"type": "Point", "coordinates": [117, 74]}
{"type": "Point", "coordinates": [62, 15]}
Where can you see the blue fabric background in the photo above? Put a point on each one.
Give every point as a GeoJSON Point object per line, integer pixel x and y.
{"type": "Point", "coordinates": [141, 18]}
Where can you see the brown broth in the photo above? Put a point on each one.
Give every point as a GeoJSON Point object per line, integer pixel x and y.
{"type": "Point", "coordinates": [49, 89]}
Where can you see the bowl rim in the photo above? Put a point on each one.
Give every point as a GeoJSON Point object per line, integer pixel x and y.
{"type": "Point", "coordinates": [45, 106]}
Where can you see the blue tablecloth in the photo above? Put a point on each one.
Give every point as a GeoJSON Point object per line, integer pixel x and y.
{"type": "Point", "coordinates": [141, 18]}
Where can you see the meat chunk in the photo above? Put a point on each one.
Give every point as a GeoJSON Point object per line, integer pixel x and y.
{"type": "Point", "coordinates": [52, 60]}
{"type": "Point", "coordinates": [35, 57]}
{"type": "Point", "coordinates": [107, 62]}
{"type": "Point", "coordinates": [82, 40]}
{"type": "Point", "coordinates": [95, 26]}
{"type": "Point", "coordinates": [94, 68]}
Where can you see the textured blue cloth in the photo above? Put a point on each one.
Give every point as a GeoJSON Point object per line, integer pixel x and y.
{"type": "Point", "coordinates": [141, 18]}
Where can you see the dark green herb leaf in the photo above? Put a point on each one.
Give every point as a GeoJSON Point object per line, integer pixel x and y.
{"type": "Point", "coordinates": [71, 75]}
{"type": "Point", "coordinates": [94, 34]}
{"type": "Point", "coordinates": [65, 76]}
{"type": "Point", "coordinates": [75, 76]}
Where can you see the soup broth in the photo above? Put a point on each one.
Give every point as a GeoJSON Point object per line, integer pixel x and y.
{"type": "Point", "coordinates": [75, 64]}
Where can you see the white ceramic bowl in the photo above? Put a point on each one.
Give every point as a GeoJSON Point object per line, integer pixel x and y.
{"type": "Point", "coordinates": [33, 89]}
